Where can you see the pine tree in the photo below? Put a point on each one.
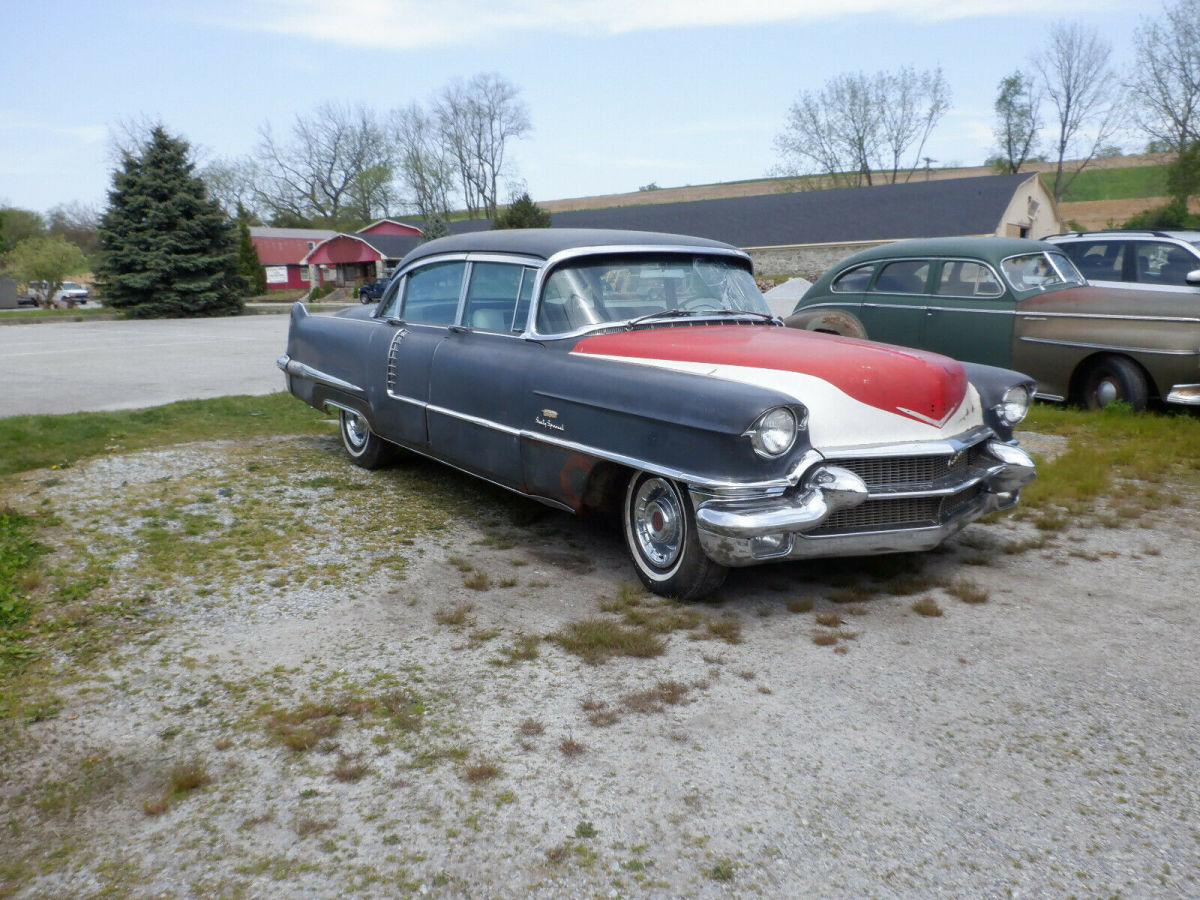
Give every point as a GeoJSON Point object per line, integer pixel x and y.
{"type": "Point", "coordinates": [522, 213]}
{"type": "Point", "coordinates": [249, 264]}
{"type": "Point", "coordinates": [167, 249]}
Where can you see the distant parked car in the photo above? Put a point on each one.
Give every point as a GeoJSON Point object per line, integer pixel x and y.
{"type": "Point", "coordinates": [1144, 260]}
{"type": "Point", "coordinates": [373, 290]}
{"type": "Point", "coordinates": [69, 293]}
{"type": "Point", "coordinates": [1016, 303]}
{"type": "Point", "coordinates": [643, 374]}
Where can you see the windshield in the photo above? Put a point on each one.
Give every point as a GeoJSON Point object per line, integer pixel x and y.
{"type": "Point", "coordinates": [619, 288]}
{"type": "Point", "coordinates": [1038, 271]}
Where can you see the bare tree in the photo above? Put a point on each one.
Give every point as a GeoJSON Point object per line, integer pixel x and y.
{"type": "Point", "coordinates": [427, 170]}
{"type": "Point", "coordinates": [1165, 85]}
{"type": "Point", "coordinates": [911, 105]}
{"type": "Point", "coordinates": [337, 165]}
{"type": "Point", "coordinates": [1018, 120]}
{"type": "Point", "coordinates": [476, 121]}
{"type": "Point", "coordinates": [231, 182]}
{"type": "Point", "coordinates": [1078, 82]}
{"type": "Point", "coordinates": [859, 124]}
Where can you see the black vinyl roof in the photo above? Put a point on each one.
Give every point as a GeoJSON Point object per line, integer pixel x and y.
{"type": "Point", "coordinates": [953, 206]}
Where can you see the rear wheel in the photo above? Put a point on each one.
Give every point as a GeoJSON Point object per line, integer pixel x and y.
{"type": "Point", "coordinates": [366, 448]}
{"type": "Point", "coordinates": [660, 532]}
{"type": "Point", "coordinates": [1112, 378]}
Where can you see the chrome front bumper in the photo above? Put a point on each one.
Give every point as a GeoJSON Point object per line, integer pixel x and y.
{"type": "Point", "coordinates": [817, 518]}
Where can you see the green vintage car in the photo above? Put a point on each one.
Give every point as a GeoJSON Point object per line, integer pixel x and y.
{"type": "Point", "coordinates": [1020, 304]}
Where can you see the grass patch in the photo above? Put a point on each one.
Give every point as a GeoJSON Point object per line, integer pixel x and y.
{"type": "Point", "coordinates": [306, 726]}
{"type": "Point", "coordinates": [1124, 183]}
{"type": "Point", "coordinates": [596, 640]}
{"type": "Point", "coordinates": [38, 442]}
{"type": "Point", "coordinates": [657, 698]}
{"type": "Point", "coordinates": [967, 591]}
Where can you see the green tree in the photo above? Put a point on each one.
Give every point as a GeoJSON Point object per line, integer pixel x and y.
{"type": "Point", "coordinates": [17, 224]}
{"type": "Point", "coordinates": [1017, 121]}
{"type": "Point", "coordinates": [167, 249]}
{"type": "Point", "coordinates": [249, 264]}
{"type": "Point", "coordinates": [522, 213]}
{"type": "Point", "coordinates": [48, 259]}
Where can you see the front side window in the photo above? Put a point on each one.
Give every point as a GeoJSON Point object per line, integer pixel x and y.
{"type": "Point", "coordinates": [904, 276]}
{"type": "Point", "coordinates": [492, 296]}
{"type": "Point", "coordinates": [1097, 260]}
{"type": "Point", "coordinates": [600, 290]}
{"type": "Point", "coordinates": [964, 278]}
{"type": "Point", "coordinates": [431, 293]}
{"type": "Point", "coordinates": [1039, 271]}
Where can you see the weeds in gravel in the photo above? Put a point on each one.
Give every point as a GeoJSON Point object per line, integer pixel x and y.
{"type": "Point", "coordinates": [456, 615]}
{"type": "Point", "coordinates": [800, 605]}
{"type": "Point", "coordinates": [569, 747]}
{"type": "Point", "coordinates": [531, 727]}
{"type": "Point", "coordinates": [927, 606]}
{"type": "Point", "coordinates": [655, 699]}
{"type": "Point", "coordinates": [308, 725]}
{"type": "Point", "coordinates": [967, 591]}
{"type": "Point", "coordinates": [597, 640]}
{"type": "Point", "coordinates": [482, 770]}
{"type": "Point", "coordinates": [182, 779]}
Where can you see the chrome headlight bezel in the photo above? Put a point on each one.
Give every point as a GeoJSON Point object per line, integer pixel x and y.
{"type": "Point", "coordinates": [774, 432]}
{"type": "Point", "coordinates": [1014, 405]}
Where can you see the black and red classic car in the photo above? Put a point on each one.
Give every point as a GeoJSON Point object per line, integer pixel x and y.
{"type": "Point", "coordinates": [643, 373]}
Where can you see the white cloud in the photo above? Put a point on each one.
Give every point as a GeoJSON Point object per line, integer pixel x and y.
{"type": "Point", "coordinates": [420, 24]}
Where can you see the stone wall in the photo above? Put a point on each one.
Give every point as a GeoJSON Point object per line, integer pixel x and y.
{"type": "Point", "coordinates": [809, 261]}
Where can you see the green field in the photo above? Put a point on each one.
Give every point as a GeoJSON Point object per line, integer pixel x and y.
{"type": "Point", "coordinates": [1116, 184]}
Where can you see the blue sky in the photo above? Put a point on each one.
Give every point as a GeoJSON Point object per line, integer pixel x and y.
{"type": "Point", "coordinates": [621, 92]}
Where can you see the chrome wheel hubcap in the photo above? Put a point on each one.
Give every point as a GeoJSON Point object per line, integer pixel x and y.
{"type": "Point", "coordinates": [657, 519]}
{"type": "Point", "coordinates": [356, 430]}
{"type": "Point", "coordinates": [1107, 392]}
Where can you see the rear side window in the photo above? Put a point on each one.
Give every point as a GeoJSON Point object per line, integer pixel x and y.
{"type": "Point", "coordinates": [1160, 263]}
{"type": "Point", "coordinates": [963, 278]}
{"type": "Point", "coordinates": [853, 281]}
{"type": "Point", "coordinates": [492, 296]}
{"type": "Point", "coordinates": [431, 293]}
{"type": "Point", "coordinates": [905, 276]}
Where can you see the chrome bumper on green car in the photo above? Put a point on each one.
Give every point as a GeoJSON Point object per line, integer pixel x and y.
{"type": "Point", "coordinates": [907, 499]}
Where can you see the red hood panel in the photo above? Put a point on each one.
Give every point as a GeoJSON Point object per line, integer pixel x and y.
{"type": "Point", "coordinates": [914, 383]}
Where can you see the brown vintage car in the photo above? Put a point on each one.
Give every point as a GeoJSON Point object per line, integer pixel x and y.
{"type": "Point", "coordinates": [1020, 304]}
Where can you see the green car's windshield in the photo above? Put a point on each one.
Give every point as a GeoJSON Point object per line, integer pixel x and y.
{"type": "Point", "coordinates": [1039, 271]}
{"type": "Point", "coordinates": [621, 287]}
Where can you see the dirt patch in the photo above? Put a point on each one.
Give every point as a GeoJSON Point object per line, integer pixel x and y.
{"type": "Point", "coordinates": [378, 704]}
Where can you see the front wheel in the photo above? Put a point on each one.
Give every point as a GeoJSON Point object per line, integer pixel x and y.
{"type": "Point", "coordinates": [1113, 378]}
{"type": "Point", "coordinates": [660, 532]}
{"type": "Point", "coordinates": [366, 448]}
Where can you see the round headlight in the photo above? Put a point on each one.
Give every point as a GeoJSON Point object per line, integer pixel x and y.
{"type": "Point", "coordinates": [774, 432]}
{"type": "Point", "coordinates": [1015, 405]}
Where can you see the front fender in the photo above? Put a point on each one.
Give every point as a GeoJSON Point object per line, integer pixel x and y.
{"type": "Point", "coordinates": [830, 321]}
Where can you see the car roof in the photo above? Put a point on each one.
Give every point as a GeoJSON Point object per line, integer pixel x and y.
{"type": "Point", "coordinates": [992, 249]}
{"type": "Point", "coordinates": [544, 243]}
{"type": "Point", "coordinates": [1189, 236]}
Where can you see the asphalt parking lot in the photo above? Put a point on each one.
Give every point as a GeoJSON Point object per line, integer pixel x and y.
{"type": "Point", "coordinates": [64, 367]}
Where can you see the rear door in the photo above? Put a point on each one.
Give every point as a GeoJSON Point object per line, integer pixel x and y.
{"type": "Point", "coordinates": [413, 321]}
{"type": "Point", "coordinates": [893, 309]}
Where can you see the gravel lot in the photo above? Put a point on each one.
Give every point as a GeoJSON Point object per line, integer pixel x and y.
{"type": "Point", "coordinates": [1039, 743]}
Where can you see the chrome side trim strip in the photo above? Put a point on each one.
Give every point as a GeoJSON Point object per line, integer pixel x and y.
{"type": "Point", "coordinates": [1112, 347]}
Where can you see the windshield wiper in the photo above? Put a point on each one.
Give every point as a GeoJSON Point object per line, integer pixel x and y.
{"type": "Point", "coordinates": [674, 313]}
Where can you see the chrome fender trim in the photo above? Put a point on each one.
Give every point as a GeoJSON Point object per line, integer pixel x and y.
{"type": "Point", "coordinates": [298, 369]}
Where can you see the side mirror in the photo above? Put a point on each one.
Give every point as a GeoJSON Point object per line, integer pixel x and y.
{"type": "Point", "coordinates": [1193, 277]}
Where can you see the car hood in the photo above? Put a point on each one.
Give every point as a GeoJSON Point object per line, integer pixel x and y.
{"type": "Point", "coordinates": [855, 381]}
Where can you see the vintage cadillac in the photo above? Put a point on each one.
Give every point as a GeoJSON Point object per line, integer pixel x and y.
{"type": "Point", "coordinates": [641, 373]}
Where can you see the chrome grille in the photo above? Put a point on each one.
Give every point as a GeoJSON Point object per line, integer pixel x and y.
{"type": "Point", "coordinates": [894, 513]}
{"type": "Point", "coordinates": [909, 472]}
